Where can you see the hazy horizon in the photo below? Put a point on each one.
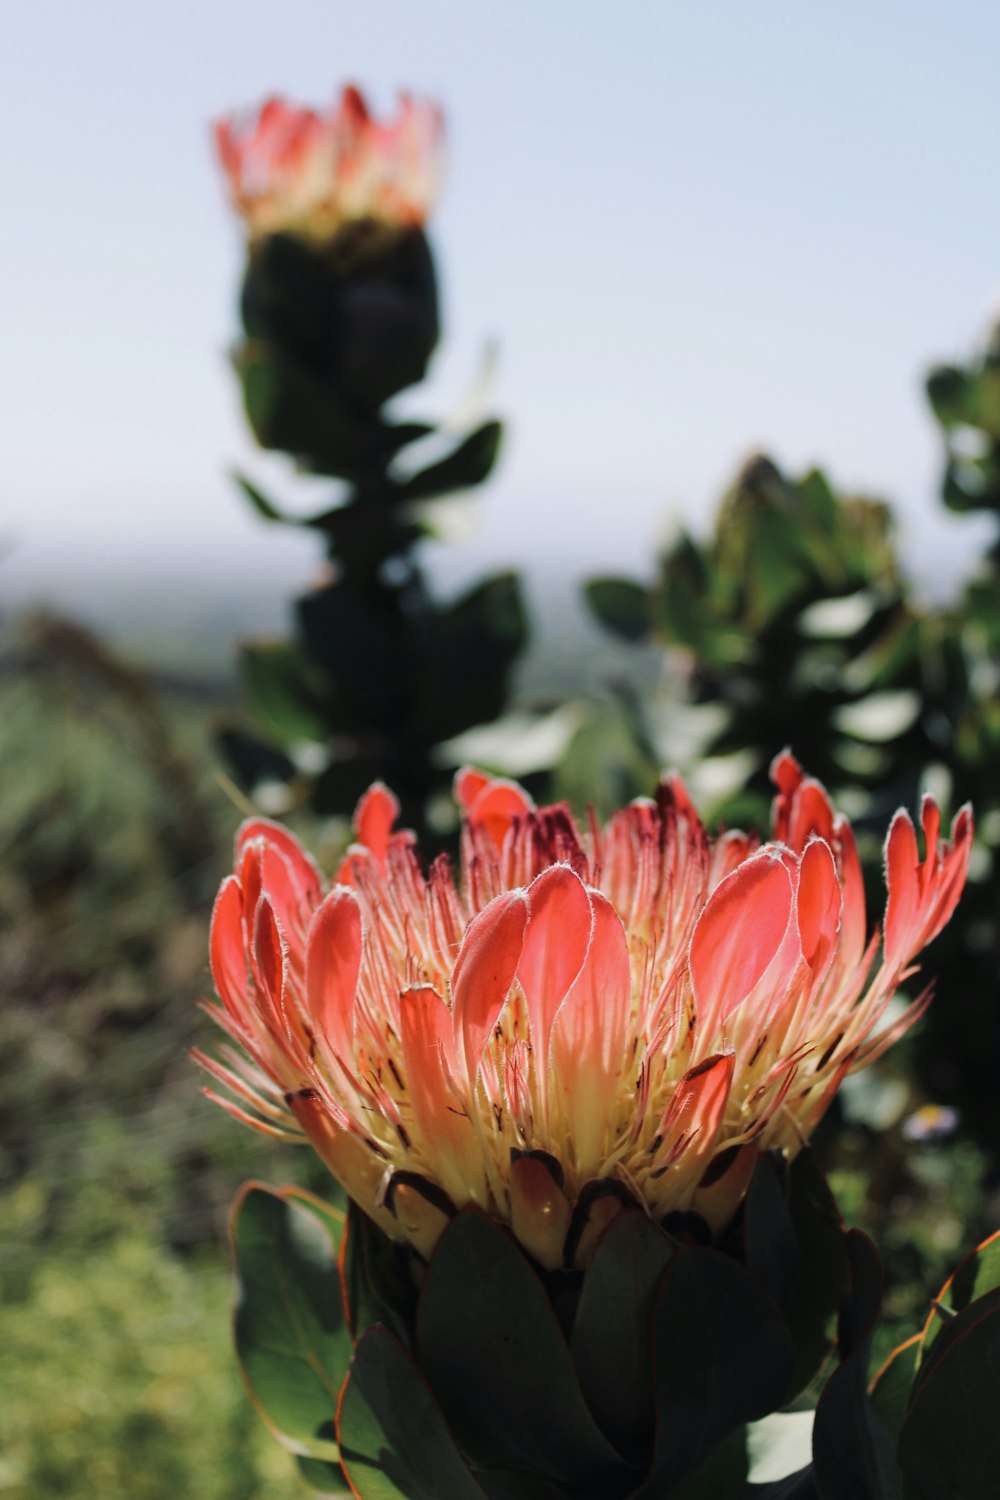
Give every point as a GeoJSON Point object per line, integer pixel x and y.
{"type": "Point", "coordinates": [692, 231]}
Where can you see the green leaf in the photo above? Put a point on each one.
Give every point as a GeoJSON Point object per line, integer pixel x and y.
{"type": "Point", "coordinates": [466, 656]}
{"type": "Point", "coordinates": [811, 1310]}
{"type": "Point", "coordinates": [722, 1357]}
{"type": "Point", "coordinates": [722, 1473]}
{"type": "Point", "coordinates": [950, 1441]}
{"type": "Point", "coordinates": [800, 1486]}
{"type": "Point", "coordinates": [819, 499]}
{"type": "Point", "coordinates": [772, 1245]}
{"type": "Point", "coordinates": [620, 604]}
{"type": "Point", "coordinates": [778, 569]}
{"type": "Point", "coordinates": [466, 466]}
{"type": "Point", "coordinates": [283, 691]}
{"type": "Point", "coordinates": [332, 1217]}
{"type": "Point", "coordinates": [612, 1338]}
{"type": "Point", "coordinates": [606, 763]}
{"type": "Point", "coordinates": [891, 1387]}
{"type": "Point", "coordinates": [953, 396]}
{"type": "Point", "coordinates": [261, 504]}
{"type": "Point", "coordinates": [252, 761]}
{"type": "Point", "coordinates": [356, 633]}
{"type": "Point", "coordinates": [325, 1477]}
{"type": "Point", "coordinates": [492, 1350]}
{"type": "Point", "coordinates": [378, 1286]}
{"type": "Point", "coordinates": [853, 1454]}
{"type": "Point", "coordinates": [292, 409]}
{"type": "Point", "coordinates": [947, 1333]}
{"type": "Point", "coordinates": [500, 1486]}
{"type": "Point", "coordinates": [291, 1337]}
{"type": "Point", "coordinates": [975, 1276]}
{"type": "Point", "coordinates": [363, 315]}
{"type": "Point", "coordinates": [393, 1439]}
{"type": "Point", "coordinates": [681, 604]}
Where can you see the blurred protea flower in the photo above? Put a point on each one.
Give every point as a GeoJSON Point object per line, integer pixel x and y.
{"type": "Point", "coordinates": [294, 171]}
{"type": "Point", "coordinates": [573, 1020]}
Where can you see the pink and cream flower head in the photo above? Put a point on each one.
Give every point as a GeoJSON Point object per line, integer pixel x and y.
{"type": "Point", "coordinates": [572, 1019]}
{"type": "Point", "coordinates": [295, 171]}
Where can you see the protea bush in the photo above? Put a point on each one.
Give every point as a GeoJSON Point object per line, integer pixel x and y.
{"type": "Point", "coordinates": [340, 311]}
{"type": "Point", "coordinates": [568, 1089]}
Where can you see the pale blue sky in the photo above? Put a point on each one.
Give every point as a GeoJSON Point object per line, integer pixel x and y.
{"type": "Point", "coordinates": [695, 228]}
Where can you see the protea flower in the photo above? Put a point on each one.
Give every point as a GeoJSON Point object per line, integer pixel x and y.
{"type": "Point", "coordinates": [576, 1019]}
{"type": "Point", "coordinates": [295, 171]}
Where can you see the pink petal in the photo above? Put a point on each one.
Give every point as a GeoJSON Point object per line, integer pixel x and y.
{"type": "Point", "coordinates": [373, 819]}
{"type": "Point", "coordinates": [468, 784]}
{"type": "Point", "coordinates": [555, 948]}
{"type": "Point", "coordinates": [818, 903]}
{"type": "Point", "coordinates": [902, 873]}
{"type": "Point", "coordinates": [591, 1023]}
{"type": "Point", "coordinates": [227, 952]}
{"type": "Point", "coordinates": [268, 957]}
{"type": "Point", "coordinates": [428, 1045]}
{"type": "Point", "coordinates": [308, 880]}
{"type": "Point", "coordinates": [854, 919]}
{"type": "Point", "coordinates": [698, 1106]}
{"type": "Point", "coordinates": [333, 963]}
{"type": "Point", "coordinates": [497, 806]}
{"type": "Point", "coordinates": [953, 874]}
{"type": "Point", "coordinates": [589, 1037]}
{"type": "Point", "coordinates": [737, 936]}
{"type": "Point", "coordinates": [440, 1117]}
{"type": "Point", "coordinates": [484, 973]}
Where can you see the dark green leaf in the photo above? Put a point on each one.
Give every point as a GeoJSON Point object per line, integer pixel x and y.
{"type": "Point", "coordinates": [822, 1283]}
{"type": "Point", "coordinates": [722, 1473]}
{"type": "Point", "coordinates": [467, 465]}
{"type": "Point", "coordinates": [325, 1477]}
{"type": "Point", "coordinates": [393, 1438]}
{"type": "Point", "coordinates": [770, 1236]}
{"type": "Point", "coordinates": [284, 692]}
{"type": "Point", "coordinates": [681, 605]}
{"type": "Point", "coordinates": [952, 395]}
{"type": "Point", "coordinates": [620, 604]}
{"type": "Point", "coordinates": [976, 1275]}
{"type": "Point", "coordinates": [722, 1357]}
{"type": "Point", "coordinates": [496, 1359]}
{"type": "Point", "coordinates": [798, 1486]}
{"type": "Point", "coordinates": [358, 312]}
{"type": "Point", "coordinates": [821, 503]}
{"type": "Point", "coordinates": [293, 409]}
{"type": "Point", "coordinates": [950, 1441]}
{"type": "Point", "coordinates": [891, 1387]}
{"type": "Point", "coordinates": [605, 764]}
{"type": "Point", "coordinates": [853, 1454]}
{"type": "Point", "coordinates": [612, 1339]}
{"type": "Point", "coordinates": [378, 1286]}
{"type": "Point", "coordinates": [467, 653]}
{"type": "Point", "coordinates": [500, 1486]}
{"type": "Point", "coordinates": [291, 1336]}
{"type": "Point", "coordinates": [947, 1333]}
{"type": "Point", "coordinates": [356, 633]}
{"type": "Point", "coordinates": [261, 504]}
{"type": "Point", "coordinates": [252, 761]}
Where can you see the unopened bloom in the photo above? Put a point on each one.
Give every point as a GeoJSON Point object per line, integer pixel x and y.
{"type": "Point", "coordinates": [574, 1019]}
{"type": "Point", "coordinates": [296, 171]}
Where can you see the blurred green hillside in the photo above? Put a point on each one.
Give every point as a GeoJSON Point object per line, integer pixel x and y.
{"type": "Point", "coordinates": [115, 1173]}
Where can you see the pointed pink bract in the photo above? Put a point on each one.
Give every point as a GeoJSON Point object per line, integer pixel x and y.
{"type": "Point", "coordinates": [737, 936]}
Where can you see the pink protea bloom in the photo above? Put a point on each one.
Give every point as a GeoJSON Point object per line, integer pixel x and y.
{"type": "Point", "coordinates": [294, 170]}
{"type": "Point", "coordinates": [574, 1019]}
